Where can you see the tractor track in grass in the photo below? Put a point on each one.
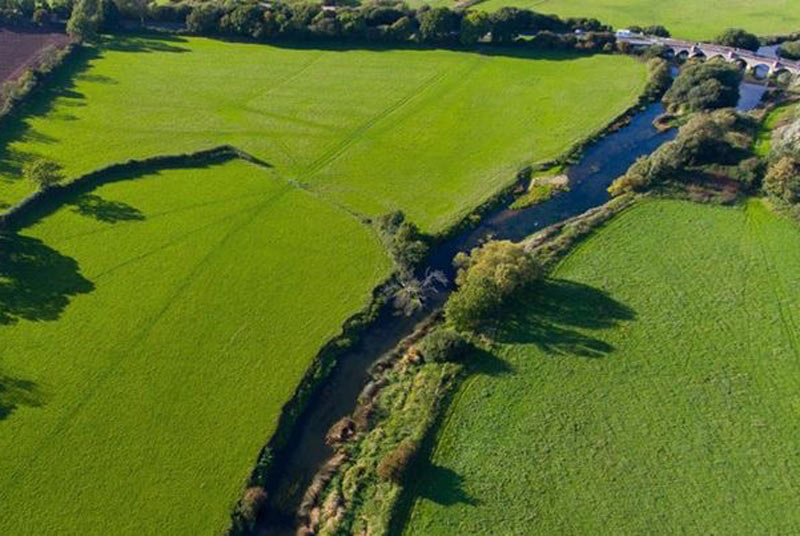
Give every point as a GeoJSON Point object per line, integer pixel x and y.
{"type": "Point", "coordinates": [144, 331]}
{"type": "Point", "coordinates": [337, 149]}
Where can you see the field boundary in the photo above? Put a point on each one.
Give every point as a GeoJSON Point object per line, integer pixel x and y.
{"type": "Point", "coordinates": [43, 202]}
{"type": "Point", "coordinates": [39, 75]}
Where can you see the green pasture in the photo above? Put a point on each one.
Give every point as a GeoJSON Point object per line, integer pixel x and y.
{"type": "Point", "coordinates": [651, 386]}
{"type": "Point", "coordinates": [151, 331]}
{"type": "Point", "coordinates": [688, 19]}
{"type": "Point", "coordinates": [431, 132]}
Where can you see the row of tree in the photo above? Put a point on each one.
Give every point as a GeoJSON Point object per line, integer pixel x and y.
{"type": "Point", "coordinates": [387, 21]}
{"type": "Point", "coordinates": [381, 21]}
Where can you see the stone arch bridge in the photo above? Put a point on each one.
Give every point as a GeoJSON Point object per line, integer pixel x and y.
{"type": "Point", "coordinates": [746, 58]}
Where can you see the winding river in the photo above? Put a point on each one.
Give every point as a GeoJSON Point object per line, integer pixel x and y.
{"type": "Point", "coordinates": [600, 163]}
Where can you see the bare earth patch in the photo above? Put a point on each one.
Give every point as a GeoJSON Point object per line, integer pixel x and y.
{"type": "Point", "coordinates": [19, 49]}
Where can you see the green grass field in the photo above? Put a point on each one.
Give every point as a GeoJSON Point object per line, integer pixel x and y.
{"type": "Point", "coordinates": [152, 329]}
{"type": "Point", "coordinates": [431, 132]}
{"type": "Point", "coordinates": [653, 386]}
{"type": "Point", "coordinates": [684, 18]}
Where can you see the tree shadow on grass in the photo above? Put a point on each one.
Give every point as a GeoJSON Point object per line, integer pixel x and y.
{"type": "Point", "coordinates": [36, 281]}
{"type": "Point", "coordinates": [555, 315]}
{"type": "Point", "coordinates": [59, 86]}
{"type": "Point", "coordinates": [145, 42]}
{"type": "Point", "coordinates": [441, 485]}
{"type": "Point", "coordinates": [104, 210]}
{"type": "Point", "coordinates": [16, 392]}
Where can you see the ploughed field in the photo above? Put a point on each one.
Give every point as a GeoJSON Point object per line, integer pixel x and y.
{"type": "Point", "coordinates": [651, 385]}
{"type": "Point", "coordinates": [152, 328]}
{"type": "Point", "coordinates": [431, 132]}
{"type": "Point", "coordinates": [20, 49]}
{"type": "Point", "coordinates": [687, 19]}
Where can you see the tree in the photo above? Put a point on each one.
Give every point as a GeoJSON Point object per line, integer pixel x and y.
{"type": "Point", "coordinates": [44, 173]}
{"type": "Point", "coordinates": [438, 25]}
{"type": "Point", "coordinates": [203, 19]}
{"type": "Point", "coordinates": [693, 90]}
{"type": "Point", "coordinates": [134, 8]}
{"type": "Point", "coordinates": [738, 38]}
{"type": "Point", "coordinates": [485, 278]}
{"type": "Point", "coordinates": [657, 30]}
{"type": "Point", "coordinates": [790, 50]}
{"type": "Point", "coordinates": [86, 19]}
{"type": "Point", "coordinates": [474, 26]}
{"type": "Point", "coordinates": [508, 22]}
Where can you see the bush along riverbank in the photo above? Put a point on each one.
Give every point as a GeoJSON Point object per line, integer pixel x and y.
{"type": "Point", "coordinates": [361, 487]}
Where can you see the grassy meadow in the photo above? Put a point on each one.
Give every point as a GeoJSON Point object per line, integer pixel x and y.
{"type": "Point", "coordinates": [650, 386]}
{"type": "Point", "coordinates": [684, 18]}
{"type": "Point", "coordinates": [431, 132]}
{"type": "Point", "coordinates": [152, 329]}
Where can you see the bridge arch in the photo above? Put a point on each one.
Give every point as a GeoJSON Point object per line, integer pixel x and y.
{"type": "Point", "coordinates": [760, 70]}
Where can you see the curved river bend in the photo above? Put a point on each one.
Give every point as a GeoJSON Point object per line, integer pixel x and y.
{"type": "Point", "coordinates": [601, 162]}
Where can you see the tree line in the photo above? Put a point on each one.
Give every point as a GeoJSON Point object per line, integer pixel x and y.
{"type": "Point", "coordinates": [376, 21]}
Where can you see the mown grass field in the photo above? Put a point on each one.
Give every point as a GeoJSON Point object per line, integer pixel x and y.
{"type": "Point", "coordinates": [431, 132]}
{"type": "Point", "coordinates": [651, 386]}
{"type": "Point", "coordinates": [152, 329]}
{"type": "Point", "coordinates": [684, 18]}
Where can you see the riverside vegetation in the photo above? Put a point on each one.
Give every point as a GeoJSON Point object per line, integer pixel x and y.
{"type": "Point", "coordinates": [541, 348]}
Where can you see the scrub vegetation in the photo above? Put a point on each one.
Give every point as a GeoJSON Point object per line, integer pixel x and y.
{"type": "Point", "coordinates": [694, 434]}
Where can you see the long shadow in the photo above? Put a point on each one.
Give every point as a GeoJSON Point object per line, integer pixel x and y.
{"type": "Point", "coordinates": [104, 210]}
{"type": "Point", "coordinates": [16, 392]}
{"type": "Point", "coordinates": [551, 313]}
{"type": "Point", "coordinates": [145, 42]}
{"type": "Point", "coordinates": [442, 485]}
{"type": "Point", "coordinates": [36, 281]}
{"type": "Point", "coordinates": [60, 86]}
{"type": "Point", "coordinates": [512, 51]}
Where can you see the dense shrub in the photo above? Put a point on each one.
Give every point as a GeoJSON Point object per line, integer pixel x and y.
{"type": "Point", "coordinates": [43, 173]}
{"type": "Point", "coordinates": [85, 20]}
{"type": "Point", "coordinates": [442, 345]}
{"type": "Point", "coordinates": [659, 77]}
{"type": "Point", "coordinates": [393, 465]}
{"type": "Point", "coordinates": [786, 139]}
{"type": "Point", "coordinates": [246, 512]}
{"type": "Point", "coordinates": [717, 138]}
{"type": "Point", "coordinates": [790, 50]}
{"type": "Point", "coordinates": [704, 86]}
{"type": "Point", "coordinates": [406, 243]}
{"type": "Point", "coordinates": [656, 29]}
{"type": "Point", "coordinates": [783, 180]}
{"type": "Point", "coordinates": [738, 38]}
